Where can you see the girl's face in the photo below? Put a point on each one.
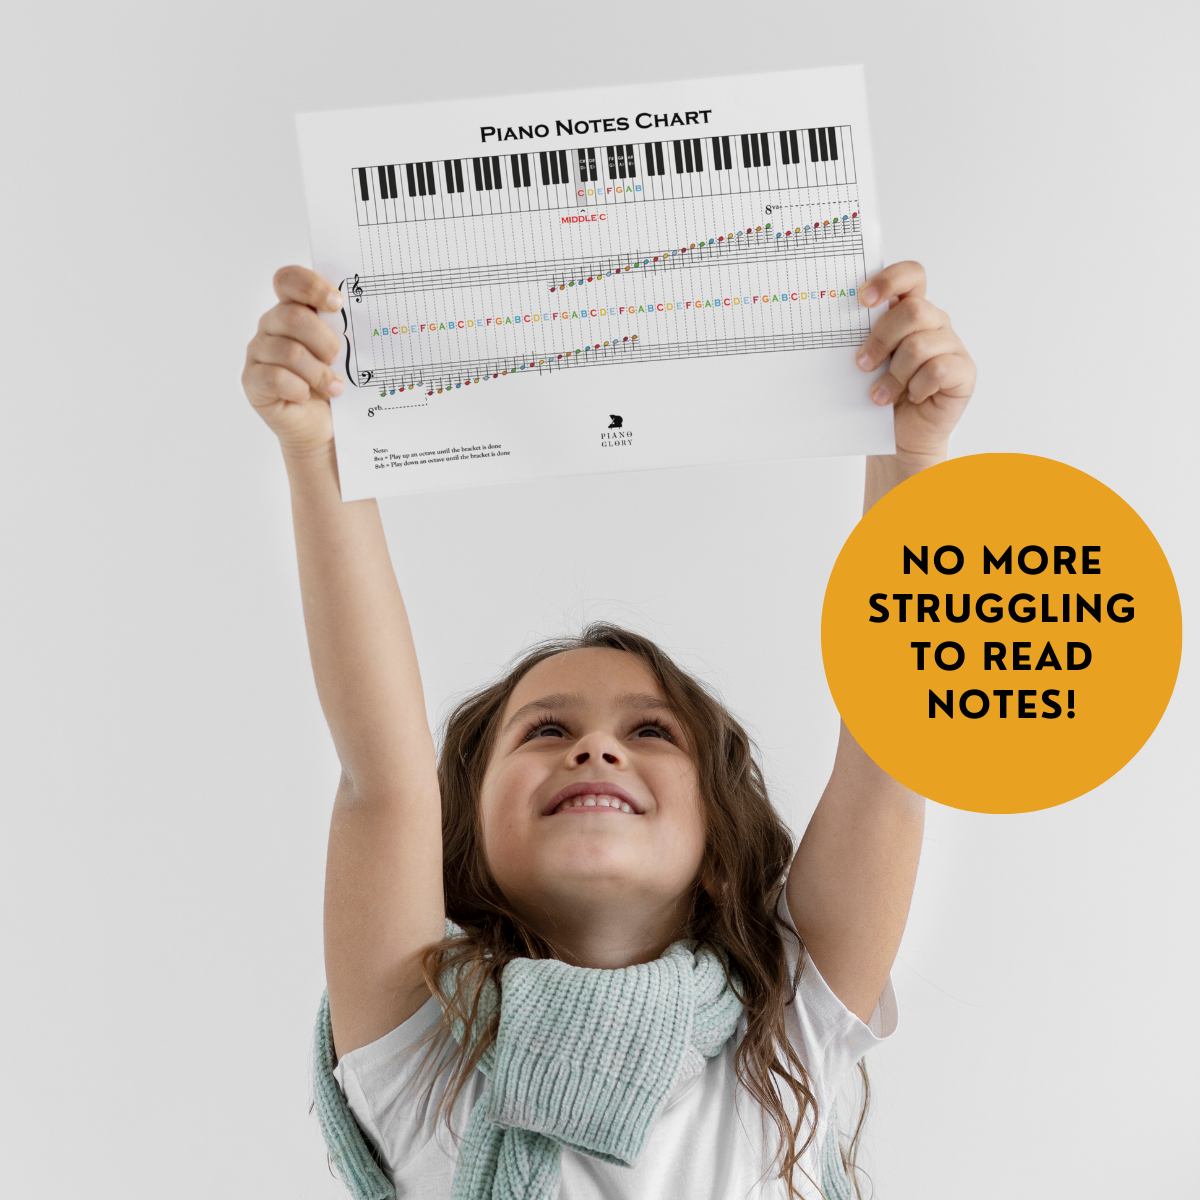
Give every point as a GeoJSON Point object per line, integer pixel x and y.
{"type": "Point", "coordinates": [590, 805]}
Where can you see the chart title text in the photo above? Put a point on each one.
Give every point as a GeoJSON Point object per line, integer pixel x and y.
{"type": "Point", "coordinates": [571, 128]}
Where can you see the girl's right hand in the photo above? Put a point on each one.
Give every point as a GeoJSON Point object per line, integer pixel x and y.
{"type": "Point", "coordinates": [288, 377]}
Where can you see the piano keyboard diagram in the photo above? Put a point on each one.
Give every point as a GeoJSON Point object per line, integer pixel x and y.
{"type": "Point", "coordinates": [551, 179]}
{"type": "Point", "coordinates": [477, 269]}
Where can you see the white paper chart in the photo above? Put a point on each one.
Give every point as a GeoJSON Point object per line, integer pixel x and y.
{"type": "Point", "coordinates": [602, 280]}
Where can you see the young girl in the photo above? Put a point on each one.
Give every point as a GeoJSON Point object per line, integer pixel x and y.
{"type": "Point", "coordinates": [575, 955]}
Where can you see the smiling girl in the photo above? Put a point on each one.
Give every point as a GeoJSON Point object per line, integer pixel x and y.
{"type": "Point", "coordinates": [575, 955]}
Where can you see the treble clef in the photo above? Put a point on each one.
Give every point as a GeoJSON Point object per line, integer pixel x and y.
{"type": "Point", "coordinates": [356, 290]}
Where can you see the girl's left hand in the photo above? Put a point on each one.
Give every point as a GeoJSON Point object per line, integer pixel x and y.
{"type": "Point", "coordinates": [931, 376]}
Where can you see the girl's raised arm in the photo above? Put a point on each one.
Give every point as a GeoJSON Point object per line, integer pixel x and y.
{"type": "Point", "coordinates": [852, 878]}
{"type": "Point", "coordinates": [383, 883]}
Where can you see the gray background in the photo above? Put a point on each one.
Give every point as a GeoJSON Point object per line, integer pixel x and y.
{"type": "Point", "coordinates": [165, 771]}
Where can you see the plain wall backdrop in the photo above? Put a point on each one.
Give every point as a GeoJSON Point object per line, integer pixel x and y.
{"type": "Point", "coordinates": [165, 771]}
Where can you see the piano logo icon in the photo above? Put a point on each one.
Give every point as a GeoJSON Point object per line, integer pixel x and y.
{"type": "Point", "coordinates": [622, 437]}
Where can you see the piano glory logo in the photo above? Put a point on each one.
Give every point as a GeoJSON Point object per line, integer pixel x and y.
{"type": "Point", "coordinates": [643, 120]}
{"type": "Point", "coordinates": [616, 434]}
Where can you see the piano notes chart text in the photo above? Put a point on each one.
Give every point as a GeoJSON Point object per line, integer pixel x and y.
{"type": "Point", "coordinates": [553, 249]}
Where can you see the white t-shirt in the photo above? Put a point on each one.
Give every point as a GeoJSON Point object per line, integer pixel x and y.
{"type": "Point", "coordinates": [709, 1142]}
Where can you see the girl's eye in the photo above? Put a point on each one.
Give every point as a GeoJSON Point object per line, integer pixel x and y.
{"type": "Point", "coordinates": [654, 731]}
{"type": "Point", "coordinates": [546, 730]}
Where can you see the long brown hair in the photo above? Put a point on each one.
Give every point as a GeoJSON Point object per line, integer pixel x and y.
{"type": "Point", "coordinates": [747, 853]}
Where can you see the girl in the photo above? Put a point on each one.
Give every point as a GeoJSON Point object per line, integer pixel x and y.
{"type": "Point", "coordinates": [569, 956]}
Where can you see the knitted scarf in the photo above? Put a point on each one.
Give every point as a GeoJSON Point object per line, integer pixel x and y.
{"type": "Point", "coordinates": [583, 1058]}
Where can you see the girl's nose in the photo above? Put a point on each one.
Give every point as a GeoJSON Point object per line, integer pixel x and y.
{"type": "Point", "coordinates": [596, 745]}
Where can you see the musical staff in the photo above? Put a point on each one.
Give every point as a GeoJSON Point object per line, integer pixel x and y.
{"type": "Point", "coordinates": [835, 236]}
{"type": "Point", "coordinates": [442, 377]}
{"type": "Point", "coordinates": [437, 378]}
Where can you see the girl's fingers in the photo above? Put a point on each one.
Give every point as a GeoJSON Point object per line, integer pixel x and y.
{"type": "Point", "coordinates": [918, 348]}
{"type": "Point", "coordinates": [899, 280]}
{"type": "Point", "coordinates": [285, 352]}
{"type": "Point", "coordinates": [900, 321]}
{"type": "Point", "coordinates": [946, 375]}
{"type": "Point", "coordinates": [299, 285]}
{"type": "Point", "coordinates": [301, 324]}
{"type": "Point", "coordinates": [949, 374]}
{"type": "Point", "coordinates": [266, 384]}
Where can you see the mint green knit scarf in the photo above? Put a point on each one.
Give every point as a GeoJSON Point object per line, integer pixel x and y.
{"type": "Point", "coordinates": [583, 1059]}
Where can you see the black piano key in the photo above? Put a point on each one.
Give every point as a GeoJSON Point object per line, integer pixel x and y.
{"type": "Point", "coordinates": [832, 143]}
{"type": "Point", "coordinates": [362, 183]}
{"type": "Point", "coordinates": [687, 155]}
{"type": "Point", "coordinates": [383, 191]}
{"type": "Point", "coordinates": [824, 145]}
{"type": "Point", "coordinates": [516, 170]}
{"type": "Point", "coordinates": [813, 153]}
{"type": "Point", "coordinates": [629, 162]}
{"type": "Point", "coordinates": [784, 157]}
{"type": "Point", "coordinates": [650, 157]}
{"type": "Point", "coordinates": [795, 146]}
{"type": "Point", "coordinates": [476, 163]}
{"type": "Point", "coordinates": [612, 161]}
{"type": "Point", "coordinates": [562, 161]}
{"type": "Point", "coordinates": [429, 179]}
{"type": "Point", "coordinates": [449, 166]}
{"type": "Point", "coordinates": [545, 168]}
{"type": "Point", "coordinates": [754, 150]}
{"type": "Point", "coordinates": [524, 170]}
{"type": "Point", "coordinates": [765, 141]}
{"type": "Point", "coordinates": [412, 183]}
{"type": "Point", "coordinates": [458, 174]}
{"type": "Point", "coordinates": [746, 160]}
{"type": "Point", "coordinates": [554, 166]}
{"type": "Point", "coordinates": [487, 173]}
{"type": "Point", "coordinates": [422, 188]}
{"type": "Point", "coordinates": [678, 158]}
{"type": "Point", "coordinates": [391, 178]}
{"type": "Point", "coordinates": [696, 155]}
{"type": "Point", "coordinates": [591, 175]}
{"type": "Point", "coordinates": [658, 160]}
{"type": "Point", "coordinates": [716, 154]}
{"type": "Point", "coordinates": [583, 171]}
{"type": "Point", "coordinates": [621, 162]}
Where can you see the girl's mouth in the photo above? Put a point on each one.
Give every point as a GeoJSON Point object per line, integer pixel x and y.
{"type": "Point", "coordinates": [594, 803]}
{"type": "Point", "coordinates": [593, 796]}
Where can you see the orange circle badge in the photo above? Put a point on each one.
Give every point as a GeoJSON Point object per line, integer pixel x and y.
{"type": "Point", "coordinates": [1001, 633]}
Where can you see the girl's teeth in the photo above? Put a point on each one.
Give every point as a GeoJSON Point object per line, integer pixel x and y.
{"type": "Point", "coordinates": [594, 801]}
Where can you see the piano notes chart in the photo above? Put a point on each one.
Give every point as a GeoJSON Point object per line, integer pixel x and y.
{"type": "Point", "coordinates": [603, 280]}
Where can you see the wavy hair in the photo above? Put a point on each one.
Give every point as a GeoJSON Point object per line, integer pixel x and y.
{"type": "Point", "coordinates": [747, 853]}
